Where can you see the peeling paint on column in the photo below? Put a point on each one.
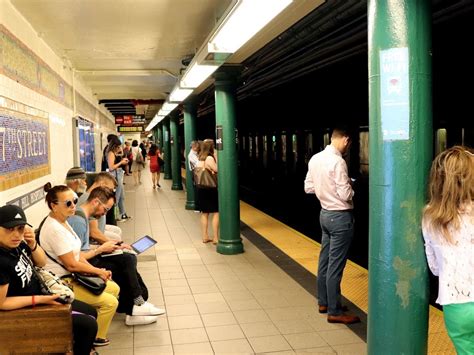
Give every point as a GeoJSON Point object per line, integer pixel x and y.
{"type": "Point", "coordinates": [405, 274]}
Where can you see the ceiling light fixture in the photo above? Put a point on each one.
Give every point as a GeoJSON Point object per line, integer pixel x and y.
{"type": "Point", "coordinates": [242, 22]}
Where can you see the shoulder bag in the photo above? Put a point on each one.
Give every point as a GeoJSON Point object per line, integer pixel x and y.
{"type": "Point", "coordinates": [204, 178]}
{"type": "Point", "coordinates": [92, 283]}
{"type": "Point", "coordinates": [50, 284]}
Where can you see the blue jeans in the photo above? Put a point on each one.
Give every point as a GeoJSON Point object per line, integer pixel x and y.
{"type": "Point", "coordinates": [337, 232]}
{"type": "Point", "coordinates": [119, 193]}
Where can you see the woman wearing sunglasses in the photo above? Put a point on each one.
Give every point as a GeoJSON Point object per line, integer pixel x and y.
{"type": "Point", "coordinates": [63, 251]}
{"type": "Point", "coordinates": [448, 229]}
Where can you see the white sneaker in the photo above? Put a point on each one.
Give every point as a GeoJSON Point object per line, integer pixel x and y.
{"type": "Point", "coordinates": [147, 309]}
{"type": "Point", "coordinates": [140, 320]}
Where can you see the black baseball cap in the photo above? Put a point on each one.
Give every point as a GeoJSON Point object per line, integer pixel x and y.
{"type": "Point", "coordinates": [12, 216]}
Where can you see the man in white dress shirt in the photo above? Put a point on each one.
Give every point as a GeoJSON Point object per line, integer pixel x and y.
{"type": "Point", "coordinates": [328, 178]}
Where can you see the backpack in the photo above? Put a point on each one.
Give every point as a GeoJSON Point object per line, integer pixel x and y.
{"type": "Point", "coordinates": [139, 158]}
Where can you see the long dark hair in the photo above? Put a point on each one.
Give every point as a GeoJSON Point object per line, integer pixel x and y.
{"type": "Point", "coordinates": [153, 150]}
{"type": "Point", "coordinates": [52, 193]}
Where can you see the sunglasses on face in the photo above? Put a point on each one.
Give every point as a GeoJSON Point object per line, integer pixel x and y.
{"type": "Point", "coordinates": [68, 203]}
{"type": "Point", "coordinates": [106, 209]}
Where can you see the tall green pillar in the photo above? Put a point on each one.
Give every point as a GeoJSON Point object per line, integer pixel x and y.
{"type": "Point", "coordinates": [175, 153]}
{"type": "Point", "coordinates": [400, 145]}
{"type": "Point", "coordinates": [229, 208]}
{"type": "Point", "coordinates": [190, 117]}
{"type": "Point", "coordinates": [167, 147]}
{"type": "Point", "coordinates": [159, 141]}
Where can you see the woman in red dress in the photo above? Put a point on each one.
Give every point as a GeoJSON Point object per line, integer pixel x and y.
{"type": "Point", "coordinates": [153, 155]}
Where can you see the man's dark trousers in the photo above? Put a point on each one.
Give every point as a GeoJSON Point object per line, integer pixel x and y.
{"type": "Point", "coordinates": [337, 233]}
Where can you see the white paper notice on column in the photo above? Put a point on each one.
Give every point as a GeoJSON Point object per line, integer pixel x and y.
{"type": "Point", "coordinates": [395, 94]}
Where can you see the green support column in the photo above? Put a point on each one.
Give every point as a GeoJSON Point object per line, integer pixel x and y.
{"type": "Point", "coordinates": [229, 208]}
{"type": "Point", "coordinates": [190, 117]}
{"type": "Point", "coordinates": [175, 153]}
{"type": "Point", "coordinates": [159, 141]}
{"type": "Point", "coordinates": [400, 138]}
{"type": "Point", "coordinates": [167, 147]}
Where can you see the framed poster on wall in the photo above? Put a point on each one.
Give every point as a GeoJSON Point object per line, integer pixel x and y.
{"type": "Point", "coordinates": [86, 144]}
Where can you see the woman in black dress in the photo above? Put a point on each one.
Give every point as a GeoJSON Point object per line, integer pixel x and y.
{"type": "Point", "coordinates": [208, 198]}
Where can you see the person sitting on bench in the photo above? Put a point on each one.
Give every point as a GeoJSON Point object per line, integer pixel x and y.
{"type": "Point", "coordinates": [18, 286]}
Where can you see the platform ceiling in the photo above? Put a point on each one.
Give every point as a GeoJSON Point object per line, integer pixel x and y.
{"type": "Point", "coordinates": [133, 49]}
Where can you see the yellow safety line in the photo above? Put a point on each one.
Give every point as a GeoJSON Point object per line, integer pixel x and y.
{"type": "Point", "coordinates": [354, 285]}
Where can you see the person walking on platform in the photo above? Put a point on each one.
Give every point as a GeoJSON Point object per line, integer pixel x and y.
{"type": "Point", "coordinates": [448, 231]}
{"type": "Point", "coordinates": [153, 155]}
{"type": "Point", "coordinates": [138, 163]}
{"type": "Point", "coordinates": [328, 178]}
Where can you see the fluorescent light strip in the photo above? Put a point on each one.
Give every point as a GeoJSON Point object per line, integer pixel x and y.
{"type": "Point", "coordinates": [179, 94]}
{"type": "Point", "coordinates": [157, 119]}
{"type": "Point", "coordinates": [246, 19]}
{"type": "Point", "coordinates": [196, 74]}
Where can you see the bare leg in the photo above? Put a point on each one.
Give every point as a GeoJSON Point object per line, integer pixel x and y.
{"type": "Point", "coordinates": [158, 179]}
{"type": "Point", "coordinates": [139, 177]}
{"type": "Point", "coordinates": [135, 177]}
{"type": "Point", "coordinates": [204, 223]}
{"type": "Point", "coordinates": [215, 227]}
{"type": "Point", "coordinates": [153, 179]}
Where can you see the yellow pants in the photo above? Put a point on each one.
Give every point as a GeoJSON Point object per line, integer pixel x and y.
{"type": "Point", "coordinates": [106, 304]}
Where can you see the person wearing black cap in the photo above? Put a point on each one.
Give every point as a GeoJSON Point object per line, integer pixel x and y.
{"type": "Point", "coordinates": [19, 287]}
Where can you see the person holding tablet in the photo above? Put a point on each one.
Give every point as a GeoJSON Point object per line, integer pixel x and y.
{"type": "Point", "coordinates": [134, 292]}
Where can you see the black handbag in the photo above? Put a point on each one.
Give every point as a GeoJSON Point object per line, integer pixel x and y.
{"type": "Point", "coordinates": [94, 284]}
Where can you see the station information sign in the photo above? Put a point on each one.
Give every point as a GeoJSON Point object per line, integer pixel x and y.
{"type": "Point", "coordinates": [130, 120]}
{"type": "Point", "coordinates": [124, 129]}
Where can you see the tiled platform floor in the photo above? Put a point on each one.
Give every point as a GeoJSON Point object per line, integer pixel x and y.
{"type": "Point", "coordinates": [216, 304]}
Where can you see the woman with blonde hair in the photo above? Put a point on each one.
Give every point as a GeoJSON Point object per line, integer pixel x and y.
{"type": "Point", "coordinates": [448, 230]}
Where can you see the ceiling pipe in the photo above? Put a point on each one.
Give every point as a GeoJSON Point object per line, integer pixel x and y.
{"type": "Point", "coordinates": [127, 72]}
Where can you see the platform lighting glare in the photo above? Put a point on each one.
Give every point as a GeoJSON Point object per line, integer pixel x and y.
{"type": "Point", "coordinates": [196, 75]}
{"type": "Point", "coordinates": [179, 94]}
{"type": "Point", "coordinates": [157, 119]}
{"type": "Point", "coordinates": [246, 19]}
{"type": "Point", "coordinates": [167, 106]}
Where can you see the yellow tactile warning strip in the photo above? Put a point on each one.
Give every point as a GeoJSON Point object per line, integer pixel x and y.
{"type": "Point", "coordinates": [305, 251]}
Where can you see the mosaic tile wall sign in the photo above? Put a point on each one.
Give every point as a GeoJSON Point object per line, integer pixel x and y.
{"type": "Point", "coordinates": [24, 144]}
{"type": "Point", "coordinates": [19, 63]}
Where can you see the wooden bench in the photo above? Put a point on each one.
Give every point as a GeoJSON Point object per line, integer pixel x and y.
{"type": "Point", "coordinates": [43, 329]}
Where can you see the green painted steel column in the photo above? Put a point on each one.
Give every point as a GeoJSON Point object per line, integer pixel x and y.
{"type": "Point", "coordinates": [229, 208]}
{"type": "Point", "coordinates": [190, 117]}
{"type": "Point", "coordinates": [167, 147]}
{"type": "Point", "coordinates": [400, 145]}
{"type": "Point", "coordinates": [175, 153]}
{"type": "Point", "coordinates": [159, 141]}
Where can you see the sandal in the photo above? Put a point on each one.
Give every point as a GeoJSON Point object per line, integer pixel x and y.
{"type": "Point", "coordinates": [215, 242]}
{"type": "Point", "coordinates": [206, 240]}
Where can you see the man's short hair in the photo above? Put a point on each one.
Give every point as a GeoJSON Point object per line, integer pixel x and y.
{"type": "Point", "coordinates": [105, 176]}
{"type": "Point", "coordinates": [340, 132]}
{"type": "Point", "coordinates": [75, 173]}
{"type": "Point", "coordinates": [104, 194]}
